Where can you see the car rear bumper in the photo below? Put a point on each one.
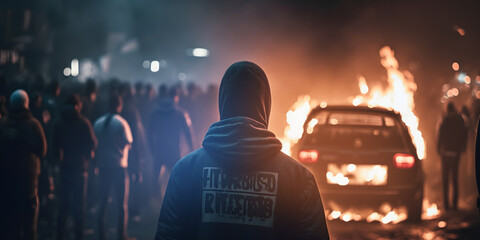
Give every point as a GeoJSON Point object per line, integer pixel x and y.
{"type": "Point", "coordinates": [368, 197]}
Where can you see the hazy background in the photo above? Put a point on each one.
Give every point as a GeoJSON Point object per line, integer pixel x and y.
{"type": "Point", "coordinates": [305, 47]}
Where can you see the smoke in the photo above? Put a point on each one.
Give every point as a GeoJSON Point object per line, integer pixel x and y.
{"type": "Point", "coordinates": [320, 51]}
{"type": "Point", "coordinates": [317, 48]}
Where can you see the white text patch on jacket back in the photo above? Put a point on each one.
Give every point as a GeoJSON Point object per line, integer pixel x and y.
{"type": "Point", "coordinates": [239, 198]}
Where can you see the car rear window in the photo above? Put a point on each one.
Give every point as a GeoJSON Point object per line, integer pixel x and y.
{"type": "Point", "coordinates": [355, 131]}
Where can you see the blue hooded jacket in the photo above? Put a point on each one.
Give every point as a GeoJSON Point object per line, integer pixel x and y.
{"type": "Point", "coordinates": [240, 185]}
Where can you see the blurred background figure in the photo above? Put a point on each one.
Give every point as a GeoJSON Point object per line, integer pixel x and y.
{"type": "Point", "coordinates": [137, 151]}
{"type": "Point", "coordinates": [3, 108]}
{"type": "Point", "coordinates": [168, 124]}
{"type": "Point", "coordinates": [139, 90]}
{"type": "Point", "coordinates": [45, 180]}
{"type": "Point", "coordinates": [22, 145]}
{"type": "Point", "coordinates": [90, 108]}
{"type": "Point", "coordinates": [114, 141]}
{"type": "Point", "coordinates": [162, 94]}
{"type": "Point", "coordinates": [146, 101]}
{"type": "Point", "coordinates": [194, 106]}
{"type": "Point", "coordinates": [141, 98]}
{"type": "Point", "coordinates": [452, 141]}
{"type": "Point", "coordinates": [36, 107]}
{"type": "Point", "coordinates": [73, 145]}
{"type": "Point", "coordinates": [49, 176]}
{"type": "Point", "coordinates": [50, 101]}
{"type": "Point", "coordinates": [3, 96]}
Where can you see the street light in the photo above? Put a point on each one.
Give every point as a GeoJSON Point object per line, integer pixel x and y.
{"type": "Point", "coordinates": [198, 52]}
{"type": "Point", "coordinates": [75, 67]}
{"type": "Point", "coordinates": [155, 66]}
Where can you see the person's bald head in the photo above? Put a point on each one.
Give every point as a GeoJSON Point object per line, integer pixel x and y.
{"type": "Point", "coordinates": [19, 99]}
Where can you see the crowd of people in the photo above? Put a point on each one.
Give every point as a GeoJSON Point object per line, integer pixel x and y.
{"type": "Point", "coordinates": [68, 146]}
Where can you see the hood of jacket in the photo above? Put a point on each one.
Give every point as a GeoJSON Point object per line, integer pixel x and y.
{"type": "Point", "coordinates": [245, 92]}
{"type": "Point", "coordinates": [240, 138]}
{"type": "Point", "coordinates": [244, 105]}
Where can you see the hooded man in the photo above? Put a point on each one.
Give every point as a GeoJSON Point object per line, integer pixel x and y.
{"type": "Point", "coordinates": [73, 144]}
{"type": "Point", "coordinates": [240, 185]}
{"type": "Point", "coordinates": [22, 144]}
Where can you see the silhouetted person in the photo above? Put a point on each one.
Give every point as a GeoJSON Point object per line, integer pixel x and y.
{"type": "Point", "coordinates": [90, 107]}
{"type": "Point", "coordinates": [149, 92]}
{"type": "Point", "coordinates": [114, 141]}
{"type": "Point", "coordinates": [137, 151]}
{"type": "Point", "coordinates": [195, 108]}
{"type": "Point", "coordinates": [452, 141]}
{"type": "Point", "coordinates": [240, 185]}
{"type": "Point", "coordinates": [22, 145]}
{"type": "Point", "coordinates": [3, 108]}
{"type": "Point", "coordinates": [50, 102]}
{"type": "Point", "coordinates": [168, 123]}
{"type": "Point", "coordinates": [36, 107]}
{"type": "Point", "coordinates": [50, 114]}
{"type": "Point", "coordinates": [144, 99]}
{"type": "Point", "coordinates": [3, 86]}
{"type": "Point", "coordinates": [139, 89]}
{"type": "Point", "coordinates": [45, 183]}
{"type": "Point", "coordinates": [466, 115]}
{"type": "Point", "coordinates": [182, 95]}
{"type": "Point", "coordinates": [162, 92]}
{"type": "Point", "coordinates": [73, 144]}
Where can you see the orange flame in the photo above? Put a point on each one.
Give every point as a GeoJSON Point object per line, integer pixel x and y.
{"type": "Point", "coordinates": [362, 84]}
{"type": "Point", "coordinates": [295, 119]}
{"type": "Point", "coordinates": [430, 210]}
{"type": "Point", "coordinates": [397, 96]}
{"type": "Point", "coordinates": [388, 216]}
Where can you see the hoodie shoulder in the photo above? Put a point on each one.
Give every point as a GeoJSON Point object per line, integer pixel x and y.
{"type": "Point", "coordinates": [290, 163]}
{"type": "Point", "coordinates": [187, 166]}
{"type": "Point", "coordinates": [191, 158]}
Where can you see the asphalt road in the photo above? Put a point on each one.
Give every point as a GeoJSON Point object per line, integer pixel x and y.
{"type": "Point", "coordinates": [462, 224]}
{"type": "Point", "coordinates": [452, 225]}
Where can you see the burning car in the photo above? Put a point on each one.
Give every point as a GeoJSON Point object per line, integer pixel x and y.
{"type": "Point", "coordinates": [362, 157]}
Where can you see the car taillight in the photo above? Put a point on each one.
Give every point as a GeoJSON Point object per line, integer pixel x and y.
{"type": "Point", "coordinates": [308, 156]}
{"type": "Point", "coordinates": [403, 160]}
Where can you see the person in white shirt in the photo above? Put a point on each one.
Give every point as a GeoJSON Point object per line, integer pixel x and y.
{"type": "Point", "coordinates": [114, 141]}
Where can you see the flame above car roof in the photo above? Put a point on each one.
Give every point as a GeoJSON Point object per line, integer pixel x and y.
{"type": "Point", "coordinates": [360, 108]}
